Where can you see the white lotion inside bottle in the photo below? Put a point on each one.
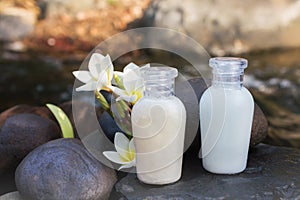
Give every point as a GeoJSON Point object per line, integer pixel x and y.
{"type": "Point", "coordinates": [158, 123]}
{"type": "Point", "coordinates": [226, 114]}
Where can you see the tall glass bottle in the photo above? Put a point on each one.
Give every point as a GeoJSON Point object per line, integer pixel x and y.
{"type": "Point", "coordinates": [226, 114]}
{"type": "Point", "coordinates": [158, 123]}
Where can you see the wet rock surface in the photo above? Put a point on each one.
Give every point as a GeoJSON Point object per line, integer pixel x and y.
{"type": "Point", "coordinates": [22, 133]}
{"type": "Point", "coordinates": [272, 173]}
{"type": "Point", "coordinates": [63, 169]}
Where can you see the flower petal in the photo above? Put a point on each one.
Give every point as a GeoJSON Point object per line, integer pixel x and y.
{"type": "Point", "coordinates": [145, 66]}
{"type": "Point", "coordinates": [139, 85]}
{"type": "Point", "coordinates": [128, 165]}
{"type": "Point", "coordinates": [91, 86]}
{"type": "Point", "coordinates": [127, 98]}
{"type": "Point", "coordinates": [131, 80]}
{"type": "Point", "coordinates": [129, 67]}
{"type": "Point", "coordinates": [131, 146]}
{"type": "Point", "coordinates": [119, 74]}
{"type": "Point", "coordinates": [83, 76]}
{"type": "Point", "coordinates": [114, 157]}
{"type": "Point", "coordinates": [131, 149]}
{"type": "Point", "coordinates": [122, 145]}
{"type": "Point", "coordinates": [107, 66]}
{"type": "Point", "coordinates": [95, 64]}
{"type": "Point", "coordinates": [117, 91]}
{"type": "Point", "coordinates": [118, 79]}
{"type": "Point", "coordinates": [102, 81]}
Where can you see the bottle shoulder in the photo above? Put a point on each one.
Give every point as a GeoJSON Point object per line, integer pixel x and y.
{"type": "Point", "coordinates": [165, 102]}
{"type": "Point", "coordinates": [173, 107]}
{"type": "Point", "coordinates": [219, 90]}
{"type": "Point", "coordinates": [233, 95]}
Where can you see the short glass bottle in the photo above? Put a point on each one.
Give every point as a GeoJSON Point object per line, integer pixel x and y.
{"type": "Point", "coordinates": [158, 125]}
{"type": "Point", "coordinates": [226, 115]}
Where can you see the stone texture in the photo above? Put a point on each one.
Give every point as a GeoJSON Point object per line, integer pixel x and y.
{"type": "Point", "coordinates": [199, 86]}
{"type": "Point", "coordinates": [22, 133]}
{"type": "Point", "coordinates": [23, 108]}
{"type": "Point", "coordinates": [82, 120]}
{"type": "Point", "coordinates": [109, 126]}
{"type": "Point", "coordinates": [259, 127]}
{"type": "Point", "coordinates": [229, 27]}
{"type": "Point", "coordinates": [272, 173]}
{"type": "Point", "coordinates": [63, 169]}
{"type": "Point", "coordinates": [11, 196]}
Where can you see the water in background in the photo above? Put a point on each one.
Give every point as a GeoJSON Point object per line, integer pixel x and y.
{"type": "Point", "coordinates": [273, 77]}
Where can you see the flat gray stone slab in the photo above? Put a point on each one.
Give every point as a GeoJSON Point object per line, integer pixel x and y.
{"type": "Point", "coordinates": [272, 173]}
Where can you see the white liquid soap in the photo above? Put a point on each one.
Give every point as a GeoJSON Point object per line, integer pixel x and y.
{"type": "Point", "coordinates": [158, 124]}
{"type": "Point", "coordinates": [226, 115]}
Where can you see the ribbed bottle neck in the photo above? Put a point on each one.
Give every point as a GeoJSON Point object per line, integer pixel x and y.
{"type": "Point", "coordinates": [228, 72]}
{"type": "Point", "coordinates": [230, 81]}
{"type": "Point", "coordinates": [159, 81]}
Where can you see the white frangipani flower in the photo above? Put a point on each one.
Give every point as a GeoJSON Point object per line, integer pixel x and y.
{"type": "Point", "coordinates": [132, 82]}
{"type": "Point", "coordinates": [99, 76]}
{"type": "Point", "coordinates": [125, 152]}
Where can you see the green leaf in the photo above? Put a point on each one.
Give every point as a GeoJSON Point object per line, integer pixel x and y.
{"type": "Point", "coordinates": [118, 81]}
{"type": "Point", "coordinates": [102, 100]}
{"type": "Point", "coordinates": [63, 120]}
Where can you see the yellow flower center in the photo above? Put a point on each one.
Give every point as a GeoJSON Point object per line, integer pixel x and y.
{"type": "Point", "coordinates": [138, 94]}
{"type": "Point", "coordinates": [129, 156]}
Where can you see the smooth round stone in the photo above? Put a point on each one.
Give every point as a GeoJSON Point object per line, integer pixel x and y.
{"type": "Point", "coordinates": [23, 108]}
{"type": "Point", "coordinates": [64, 169]}
{"type": "Point", "coordinates": [260, 126]}
{"type": "Point", "coordinates": [22, 133]}
{"type": "Point", "coordinates": [109, 126]}
{"type": "Point", "coordinates": [11, 196]}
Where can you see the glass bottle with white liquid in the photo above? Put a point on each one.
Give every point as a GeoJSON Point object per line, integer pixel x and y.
{"type": "Point", "coordinates": [158, 126]}
{"type": "Point", "coordinates": [226, 114]}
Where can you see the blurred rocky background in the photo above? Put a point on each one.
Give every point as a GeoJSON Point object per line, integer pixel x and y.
{"type": "Point", "coordinates": [43, 41]}
{"type": "Point", "coordinates": [230, 27]}
{"type": "Point", "coordinates": [64, 25]}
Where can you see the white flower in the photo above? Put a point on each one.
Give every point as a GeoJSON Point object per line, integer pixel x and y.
{"type": "Point", "coordinates": [132, 82]}
{"type": "Point", "coordinates": [125, 152]}
{"type": "Point", "coordinates": [99, 75]}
